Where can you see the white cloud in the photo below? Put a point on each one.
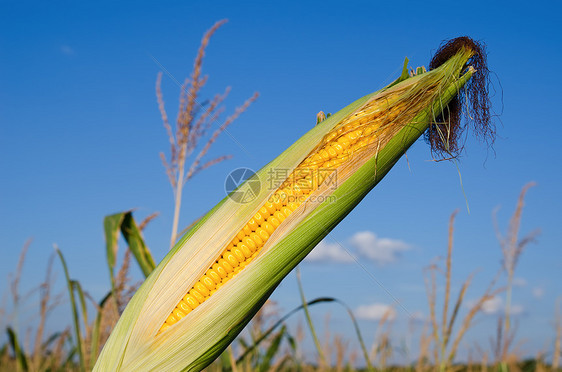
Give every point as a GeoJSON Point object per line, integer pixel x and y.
{"type": "Point", "coordinates": [538, 292]}
{"type": "Point", "coordinates": [517, 309]}
{"type": "Point", "coordinates": [66, 50]}
{"type": "Point", "coordinates": [329, 252]}
{"type": "Point", "coordinates": [496, 305]}
{"type": "Point", "coordinates": [519, 282]}
{"type": "Point", "coordinates": [380, 250]}
{"type": "Point", "coordinates": [365, 244]}
{"type": "Point", "coordinates": [417, 316]}
{"type": "Point", "coordinates": [493, 305]}
{"type": "Point", "coordinates": [375, 311]}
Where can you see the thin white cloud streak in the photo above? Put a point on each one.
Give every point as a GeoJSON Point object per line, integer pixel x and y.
{"type": "Point", "coordinates": [375, 311]}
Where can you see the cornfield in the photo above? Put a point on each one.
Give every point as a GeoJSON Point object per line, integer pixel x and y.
{"type": "Point", "coordinates": [206, 305]}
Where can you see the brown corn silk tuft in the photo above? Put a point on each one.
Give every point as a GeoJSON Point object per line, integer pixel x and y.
{"type": "Point", "coordinates": [472, 102]}
{"type": "Point", "coordinates": [346, 147]}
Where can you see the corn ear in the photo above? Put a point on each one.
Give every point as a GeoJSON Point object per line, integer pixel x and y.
{"type": "Point", "coordinates": [140, 343]}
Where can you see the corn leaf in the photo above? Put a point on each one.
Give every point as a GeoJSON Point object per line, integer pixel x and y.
{"type": "Point", "coordinates": [21, 358]}
{"type": "Point", "coordinates": [138, 248]}
{"type": "Point", "coordinates": [249, 349]}
{"type": "Point", "coordinates": [125, 223]}
{"type": "Point", "coordinates": [111, 227]}
{"type": "Point", "coordinates": [95, 344]}
{"type": "Point", "coordinates": [265, 365]}
{"type": "Point", "coordinates": [74, 311]}
{"type": "Point", "coordinates": [78, 288]}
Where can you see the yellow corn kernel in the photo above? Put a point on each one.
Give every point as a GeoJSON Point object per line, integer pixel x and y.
{"type": "Point", "coordinates": [199, 287]}
{"type": "Point", "coordinates": [225, 265]}
{"type": "Point", "coordinates": [164, 327]}
{"type": "Point", "coordinates": [171, 320]}
{"type": "Point", "coordinates": [217, 268]}
{"type": "Point", "coordinates": [268, 227]}
{"type": "Point", "coordinates": [178, 313]}
{"type": "Point", "coordinates": [212, 273]}
{"type": "Point", "coordinates": [256, 238]}
{"type": "Point", "coordinates": [277, 200]}
{"type": "Point", "coordinates": [190, 300]}
{"type": "Point", "coordinates": [250, 244]}
{"type": "Point", "coordinates": [208, 282]}
{"type": "Point", "coordinates": [237, 252]}
{"type": "Point", "coordinates": [245, 250]}
{"type": "Point", "coordinates": [274, 221]}
{"type": "Point", "coordinates": [286, 211]}
{"type": "Point", "coordinates": [262, 234]}
{"type": "Point", "coordinates": [231, 259]}
{"type": "Point", "coordinates": [338, 148]}
{"type": "Point", "coordinates": [198, 296]}
{"type": "Point", "coordinates": [270, 207]}
{"type": "Point", "coordinates": [183, 306]}
{"type": "Point", "coordinates": [258, 217]}
{"type": "Point", "coordinates": [252, 224]}
{"type": "Point", "coordinates": [279, 216]}
{"type": "Point", "coordinates": [344, 142]}
{"type": "Point", "coordinates": [317, 159]}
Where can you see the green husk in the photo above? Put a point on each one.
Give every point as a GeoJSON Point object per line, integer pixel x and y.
{"type": "Point", "coordinates": [200, 337]}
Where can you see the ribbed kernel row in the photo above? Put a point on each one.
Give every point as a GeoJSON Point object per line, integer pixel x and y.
{"type": "Point", "coordinates": [351, 135]}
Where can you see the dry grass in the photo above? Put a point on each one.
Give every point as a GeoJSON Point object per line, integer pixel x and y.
{"type": "Point", "coordinates": [557, 352]}
{"type": "Point", "coordinates": [381, 350]}
{"type": "Point", "coordinates": [55, 352]}
{"type": "Point", "coordinates": [47, 304]}
{"type": "Point", "coordinates": [193, 122]}
{"type": "Point", "coordinates": [445, 343]}
{"type": "Point", "coordinates": [512, 247]}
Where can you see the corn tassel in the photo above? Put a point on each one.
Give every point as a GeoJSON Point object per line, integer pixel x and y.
{"type": "Point", "coordinates": [219, 274]}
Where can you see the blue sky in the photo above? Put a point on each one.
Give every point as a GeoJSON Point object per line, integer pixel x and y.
{"type": "Point", "coordinates": [80, 135]}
